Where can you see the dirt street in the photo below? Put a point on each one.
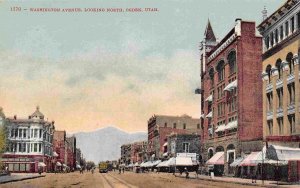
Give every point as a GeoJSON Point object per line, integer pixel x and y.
{"type": "Point", "coordinates": [115, 180]}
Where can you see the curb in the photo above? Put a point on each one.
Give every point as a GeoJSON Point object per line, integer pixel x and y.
{"type": "Point", "coordinates": [21, 179]}
{"type": "Point", "coordinates": [224, 181]}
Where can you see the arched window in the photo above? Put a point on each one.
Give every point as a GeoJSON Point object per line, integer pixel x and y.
{"type": "Point", "coordinates": [232, 61]}
{"type": "Point", "coordinates": [210, 153]}
{"type": "Point", "coordinates": [289, 59]}
{"type": "Point", "coordinates": [278, 66]}
{"type": "Point", "coordinates": [268, 71]}
{"type": "Point", "coordinates": [211, 76]}
{"type": "Point", "coordinates": [221, 70]}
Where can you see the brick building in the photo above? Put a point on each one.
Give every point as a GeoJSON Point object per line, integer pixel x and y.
{"type": "Point", "coordinates": [72, 153]}
{"type": "Point", "coordinates": [231, 101]}
{"type": "Point", "coordinates": [280, 67]}
{"type": "Point", "coordinates": [183, 143]}
{"type": "Point", "coordinates": [59, 146]}
{"type": "Point", "coordinates": [138, 151]}
{"type": "Point", "coordinates": [126, 154]}
{"type": "Point", "coordinates": [159, 126]}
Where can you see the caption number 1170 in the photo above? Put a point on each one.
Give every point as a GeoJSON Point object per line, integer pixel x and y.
{"type": "Point", "coordinates": [15, 9]}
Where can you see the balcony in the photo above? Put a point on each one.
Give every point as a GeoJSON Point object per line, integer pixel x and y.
{"type": "Point", "coordinates": [279, 83]}
{"type": "Point", "coordinates": [291, 78]}
{"type": "Point", "coordinates": [269, 87]}
{"type": "Point", "coordinates": [269, 115]}
{"type": "Point", "coordinates": [291, 108]}
{"type": "Point", "coordinates": [279, 112]}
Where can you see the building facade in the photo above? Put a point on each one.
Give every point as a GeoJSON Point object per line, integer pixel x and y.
{"type": "Point", "coordinates": [183, 143]}
{"type": "Point", "coordinates": [231, 101]}
{"type": "Point", "coordinates": [29, 144]}
{"type": "Point", "coordinates": [280, 73]}
{"type": "Point", "coordinates": [159, 126]}
{"type": "Point", "coordinates": [126, 154]}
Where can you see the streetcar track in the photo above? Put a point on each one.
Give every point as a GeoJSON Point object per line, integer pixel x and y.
{"type": "Point", "coordinates": [121, 181]}
{"type": "Point", "coordinates": [106, 180]}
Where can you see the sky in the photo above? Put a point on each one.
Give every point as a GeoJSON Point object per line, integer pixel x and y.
{"type": "Point", "coordinates": [89, 70]}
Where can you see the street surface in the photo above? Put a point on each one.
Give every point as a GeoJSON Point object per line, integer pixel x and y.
{"type": "Point", "coordinates": [115, 180]}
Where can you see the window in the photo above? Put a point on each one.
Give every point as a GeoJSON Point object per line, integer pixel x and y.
{"type": "Point", "coordinates": [280, 125]}
{"type": "Point", "coordinates": [20, 133]}
{"type": "Point", "coordinates": [270, 126]}
{"type": "Point", "coordinates": [276, 36]}
{"type": "Point", "coordinates": [186, 147]}
{"type": "Point", "coordinates": [24, 133]}
{"type": "Point", "coordinates": [289, 59]}
{"type": "Point", "coordinates": [184, 126]}
{"type": "Point", "coordinates": [270, 101]}
{"type": "Point", "coordinates": [221, 70]}
{"type": "Point", "coordinates": [40, 133]}
{"type": "Point", "coordinates": [278, 66]}
{"type": "Point", "coordinates": [232, 61]}
{"type": "Point", "coordinates": [166, 124]}
{"type": "Point", "coordinates": [198, 126]}
{"type": "Point", "coordinates": [174, 125]}
{"type": "Point", "coordinates": [292, 123]}
{"type": "Point", "coordinates": [28, 147]}
{"type": "Point", "coordinates": [281, 32]}
{"type": "Point", "coordinates": [40, 147]}
{"type": "Point", "coordinates": [292, 24]}
{"type": "Point", "coordinates": [280, 97]}
{"type": "Point", "coordinates": [291, 89]}
{"type": "Point", "coordinates": [12, 133]}
{"type": "Point", "coordinates": [35, 133]}
{"type": "Point", "coordinates": [35, 147]}
{"type": "Point", "coordinates": [211, 76]}
{"type": "Point", "coordinates": [286, 29]}
{"type": "Point", "coordinates": [267, 42]}
{"type": "Point", "coordinates": [272, 39]}
{"type": "Point", "coordinates": [268, 71]}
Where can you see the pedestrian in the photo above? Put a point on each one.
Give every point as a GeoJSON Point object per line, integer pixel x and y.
{"type": "Point", "coordinates": [254, 176]}
{"type": "Point", "coordinates": [120, 170]}
{"type": "Point", "coordinates": [123, 169]}
{"type": "Point", "coordinates": [186, 173]}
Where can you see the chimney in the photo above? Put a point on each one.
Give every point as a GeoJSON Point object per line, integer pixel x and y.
{"type": "Point", "coordinates": [15, 117]}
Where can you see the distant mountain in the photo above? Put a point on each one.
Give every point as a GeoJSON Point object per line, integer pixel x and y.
{"type": "Point", "coordinates": [105, 143]}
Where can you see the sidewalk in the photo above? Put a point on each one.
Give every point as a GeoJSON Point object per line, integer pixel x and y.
{"type": "Point", "coordinates": [240, 181]}
{"type": "Point", "coordinates": [18, 177]}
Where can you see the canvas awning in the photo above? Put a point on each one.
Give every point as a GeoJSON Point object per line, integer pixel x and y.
{"type": "Point", "coordinates": [156, 162]}
{"type": "Point", "coordinates": [202, 116]}
{"type": "Point", "coordinates": [231, 125]}
{"type": "Point", "coordinates": [184, 161]}
{"type": "Point", "coordinates": [237, 161]}
{"type": "Point", "coordinates": [130, 165]}
{"type": "Point", "coordinates": [217, 159]}
{"type": "Point", "coordinates": [171, 161]}
{"type": "Point", "coordinates": [143, 164]}
{"type": "Point", "coordinates": [64, 165]}
{"type": "Point", "coordinates": [221, 128]}
{"type": "Point", "coordinates": [58, 163]}
{"type": "Point", "coordinates": [209, 115]}
{"type": "Point", "coordinates": [136, 164]}
{"type": "Point", "coordinates": [162, 164]}
{"type": "Point", "coordinates": [78, 166]}
{"type": "Point", "coordinates": [55, 154]}
{"type": "Point", "coordinates": [251, 159]}
{"type": "Point", "coordinates": [281, 153]}
{"type": "Point", "coordinates": [165, 144]}
{"type": "Point", "coordinates": [41, 164]}
{"type": "Point", "coordinates": [209, 98]}
{"type": "Point", "coordinates": [231, 86]}
{"type": "Point", "coordinates": [165, 154]}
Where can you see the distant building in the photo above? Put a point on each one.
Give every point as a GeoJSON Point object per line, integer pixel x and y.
{"type": "Point", "coordinates": [29, 143]}
{"type": "Point", "coordinates": [231, 101]}
{"type": "Point", "coordinates": [72, 145]}
{"type": "Point", "coordinates": [126, 154]}
{"type": "Point", "coordinates": [78, 156]}
{"type": "Point", "coordinates": [280, 67]}
{"type": "Point", "coordinates": [59, 146]}
{"type": "Point", "coordinates": [183, 143]}
{"type": "Point", "coordinates": [159, 126]}
{"type": "Point", "coordinates": [138, 151]}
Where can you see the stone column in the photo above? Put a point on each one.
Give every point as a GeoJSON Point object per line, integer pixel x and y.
{"type": "Point", "coordinates": [297, 93]}
{"type": "Point", "coordinates": [285, 101]}
{"type": "Point", "coordinates": [274, 77]}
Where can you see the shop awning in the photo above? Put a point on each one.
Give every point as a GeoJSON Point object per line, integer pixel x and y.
{"type": "Point", "coordinates": [251, 159]}
{"type": "Point", "coordinates": [165, 154]}
{"type": "Point", "coordinates": [64, 165]}
{"type": "Point", "coordinates": [221, 128]}
{"type": "Point", "coordinates": [209, 98]}
{"type": "Point", "coordinates": [217, 159]}
{"type": "Point", "coordinates": [55, 154]}
{"type": "Point", "coordinates": [165, 144]}
{"type": "Point", "coordinates": [58, 163]}
{"type": "Point", "coordinates": [143, 164]}
{"type": "Point", "coordinates": [136, 164]}
{"type": "Point", "coordinates": [202, 116]}
{"type": "Point", "coordinates": [231, 125]}
{"type": "Point", "coordinates": [78, 166]}
{"type": "Point", "coordinates": [209, 115]}
{"type": "Point", "coordinates": [231, 86]}
{"type": "Point", "coordinates": [162, 164]}
{"type": "Point", "coordinates": [41, 164]}
{"type": "Point", "coordinates": [156, 162]}
{"type": "Point", "coordinates": [184, 161]}
{"type": "Point", "coordinates": [281, 153]}
{"type": "Point", "coordinates": [237, 161]}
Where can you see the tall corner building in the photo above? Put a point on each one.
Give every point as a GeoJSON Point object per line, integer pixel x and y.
{"type": "Point", "coordinates": [231, 100]}
{"type": "Point", "coordinates": [280, 75]}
